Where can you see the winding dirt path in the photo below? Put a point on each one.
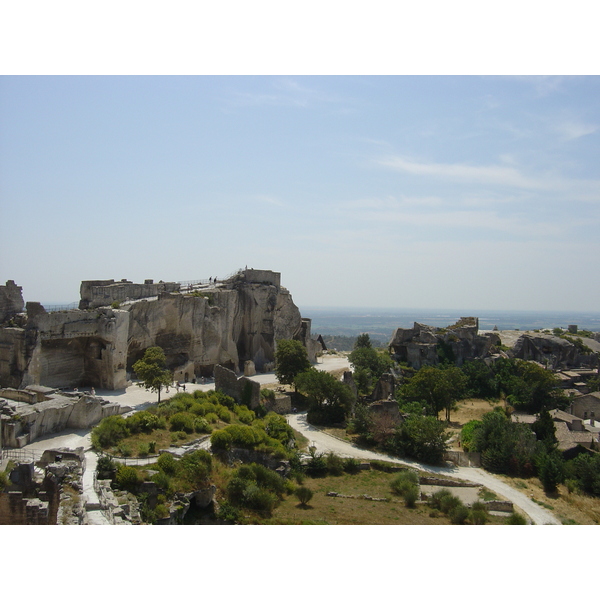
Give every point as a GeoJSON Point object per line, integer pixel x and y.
{"type": "Point", "coordinates": [327, 443]}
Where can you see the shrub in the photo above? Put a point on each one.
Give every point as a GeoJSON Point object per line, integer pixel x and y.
{"type": "Point", "coordinates": [351, 465]}
{"type": "Point", "coordinates": [224, 414]}
{"type": "Point", "coordinates": [260, 499]}
{"type": "Point", "coordinates": [201, 425]}
{"type": "Point", "coordinates": [127, 478]}
{"type": "Point", "coordinates": [267, 394]}
{"type": "Point", "coordinates": [304, 494]}
{"type": "Point", "coordinates": [459, 514]}
{"type": "Point", "coordinates": [163, 481]}
{"type": "Point", "coordinates": [167, 463]}
{"type": "Point", "coordinates": [435, 501]}
{"type": "Point", "coordinates": [109, 432]}
{"type": "Point", "coordinates": [105, 467]}
{"type": "Point", "coordinates": [211, 417]}
{"type": "Point", "coordinates": [144, 421]}
{"type": "Point", "coordinates": [152, 447]}
{"type": "Point", "coordinates": [516, 519]}
{"type": "Point", "coordinates": [228, 512]}
{"type": "Point", "coordinates": [478, 516]}
{"type": "Point", "coordinates": [182, 421]}
{"type": "Point", "coordinates": [143, 449]}
{"type": "Point", "coordinates": [244, 414]}
{"type": "Point", "coordinates": [335, 464]}
{"type": "Point", "coordinates": [317, 465]}
{"type": "Point", "coordinates": [411, 495]}
{"type": "Point", "coordinates": [221, 440]}
{"type": "Point", "coordinates": [403, 482]}
{"type": "Point", "coordinates": [124, 449]}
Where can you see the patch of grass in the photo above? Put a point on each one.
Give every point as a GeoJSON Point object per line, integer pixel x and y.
{"type": "Point", "coordinates": [544, 504]}
{"type": "Point", "coordinates": [487, 495]}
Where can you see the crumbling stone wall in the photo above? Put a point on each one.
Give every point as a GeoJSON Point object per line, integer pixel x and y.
{"type": "Point", "coordinates": [419, 346]}
{"type": "Point", "coordinates": [104, 292]}
{"type": "Point", "coordinates": [11, 300]}
{"type": "Point", "coordinates": [242, 390]}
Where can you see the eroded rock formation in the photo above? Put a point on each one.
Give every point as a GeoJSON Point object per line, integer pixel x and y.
{"type": "Point", "coordinates": [198, 327]}
{"type": "Point", "coordinates": [425, 345]}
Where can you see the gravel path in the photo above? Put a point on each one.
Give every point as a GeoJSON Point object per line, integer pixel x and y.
{"type": "Point", "coordinates": [327, 443]}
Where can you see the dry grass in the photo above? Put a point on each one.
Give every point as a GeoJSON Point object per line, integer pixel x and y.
{"type": "Point", "coordinates": [571, 509]}
{"type": "Point", "coordinates": [329, 510]}
{"type": "Point", "coordinates": [467, 410]}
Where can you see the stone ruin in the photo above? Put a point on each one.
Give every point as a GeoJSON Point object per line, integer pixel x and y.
{"type": "Point", "coordinates": [28, 414]}
{"type": "Point", "coordinates": [231, 323]}
{"type": "Point", "coordinates": [46, 492]}
{"type": "Point", "coordinates": [421, 345]}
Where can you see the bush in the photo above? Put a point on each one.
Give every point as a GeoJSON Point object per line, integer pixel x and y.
{"type": "Point", "coordinates": [351, 465]}
{"type": "Point", "coordinates": [167, 463]}
{"type": "Point", "coordinates": [143, 449]}
{"type": "Point", "coordinates": [403, 482]}
{"type": "Point", "coordinates": [201, 425]}
{"type": "Point", "coordinates": [224, 414]}
{"type": "Point", "coordinates": [211, 417]}
{"type": "Point", "coordinates": [163, 481]}
{"type": "Point", "coordinates": [221, 440]}
{"type": "Point", "coordinates": [124, 449]}
{"type": "Point", "coordinates": [182, 421]}
{"type": "Point", "coordinates": [106, 467]}
{"type": "Point", "coordinates": [516, 519]}
{"type": "Point", "coordinates": [335, 464]}
{"type": "Point", "coordinates": [109, 432]}
{"type": "Point", "coordinates": [228, 512]}
{"type": "Point", "coordinates": [478, 516]}
{"type": "Point", "coordinates": [127, 478]}
{"type": "Point", "coordinates": [459, 514]}
{"type": "Point", "coordinates": [411, 495]}
{"type": "Point", "coordinates": [435, 501]}
{"type": "Point", "coordinates": [317, 464]}
{"type": "Point", "coordinates": [304, 494]}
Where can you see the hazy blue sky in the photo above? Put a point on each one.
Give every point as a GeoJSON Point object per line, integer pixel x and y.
{"type": "Point", "coordinates": [389, 191]}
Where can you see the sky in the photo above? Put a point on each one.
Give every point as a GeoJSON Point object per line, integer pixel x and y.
{"type": "Point", "coordinates": [379, 191]}
{"type": "Point", "coordinates": [418, 189]}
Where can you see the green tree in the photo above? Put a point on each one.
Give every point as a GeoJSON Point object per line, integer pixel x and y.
{"type": "Point", "coordinates": [545, 431]}
{"type": "Point", "coordinates": [329, 400]}
{"type": "Point", "coordinates": [151, 370]}
{"type": "Point", "coordinates": [291, 359]}
{"type": "Point", "coordinates": [363, 341]}
{"type": "Point", "coordinates": [551, 472]}
{"type": "Point", "coordinates": [422, 438]}
{"type": "Point", "coordinates": [439, 389]}
{"type": "Point", "coordinates": [369, 365]}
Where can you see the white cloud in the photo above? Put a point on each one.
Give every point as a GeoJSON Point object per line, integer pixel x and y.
{"type": "Point", "coordinates": [490, 175]}
{"type": "Point", "coordinates": [572, 130]}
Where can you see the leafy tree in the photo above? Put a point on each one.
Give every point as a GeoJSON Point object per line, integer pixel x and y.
{"type": "Point", "coordinates": [528, 386]}
{"type": "Point", "coordinates": [291, 359]}
{"type": "Point", "coordinates": [480, 379]}
{"type": "Point", "coordinates": [551, 472]}
{"type": "Point", "coordinates": [439, 389]}
{"type": "Point", "coordinates": [363, 341]}
{"type": "Point", "coordinates": [506, 447]}
{"type": "Point", "coordinates": [151, 370]}
{"type": "Point", "coordinates": [467, 432]}
{"type": "Point", "coordinates": [422, 438]}
{"type": "Point", "coordinates": [369, 365]}
{"type": "Point", "coordinates": [545, 431]}
{"type": "Point", "coordinates": [329, 400]}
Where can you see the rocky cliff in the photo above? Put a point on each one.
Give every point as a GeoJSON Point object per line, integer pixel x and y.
{"type": "Point", "coordinates": [236, 321]}
{"type": "Point", "coordinates": [425, 345]}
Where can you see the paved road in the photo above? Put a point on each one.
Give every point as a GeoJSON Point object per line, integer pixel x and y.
{"type": "Point", "coordinates": [327, 443]}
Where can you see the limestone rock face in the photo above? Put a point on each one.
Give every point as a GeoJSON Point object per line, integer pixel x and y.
{"type": "Point", "coordinates": [11, 300]}
{"type": "Point", "coordinates": [237, 321]}
{"type": "Point", "coordinates": [419, 346]}
{"type": "Point", "coordinates": [557, 352]}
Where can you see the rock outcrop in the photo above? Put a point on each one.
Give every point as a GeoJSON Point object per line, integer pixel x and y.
{"type": "Point", "coordinates": [557, 353]}
{"type": "Point", "coordinates": [204, 325]}
{"type": "Point", "coordinates": [424, 345]}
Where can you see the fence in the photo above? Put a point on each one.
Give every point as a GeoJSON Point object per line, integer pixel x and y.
{"type": "Point", "coordinates": [61, 307]}
{"type": "Point", "coordinates": [20, 455]}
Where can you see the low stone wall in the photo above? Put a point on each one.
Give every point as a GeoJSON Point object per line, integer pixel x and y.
{"type": "Point", "coordinates": [499, 505]}
{"type": "Point", "coordinates": [282, 405]}
{"type": "Point", "coordinates": [242, 390]}
{"type": "Point", "coordinates": [463, 459]}
{"type": "Point", "coordinates": [21, 426]}
{"type": "Point", "coordinates": [446, 482]}
{"type": "Point", "coordinates": [19, 395]}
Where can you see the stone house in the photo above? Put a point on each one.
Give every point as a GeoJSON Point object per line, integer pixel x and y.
{"type": "Point", "coordinates": [586, 407]}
